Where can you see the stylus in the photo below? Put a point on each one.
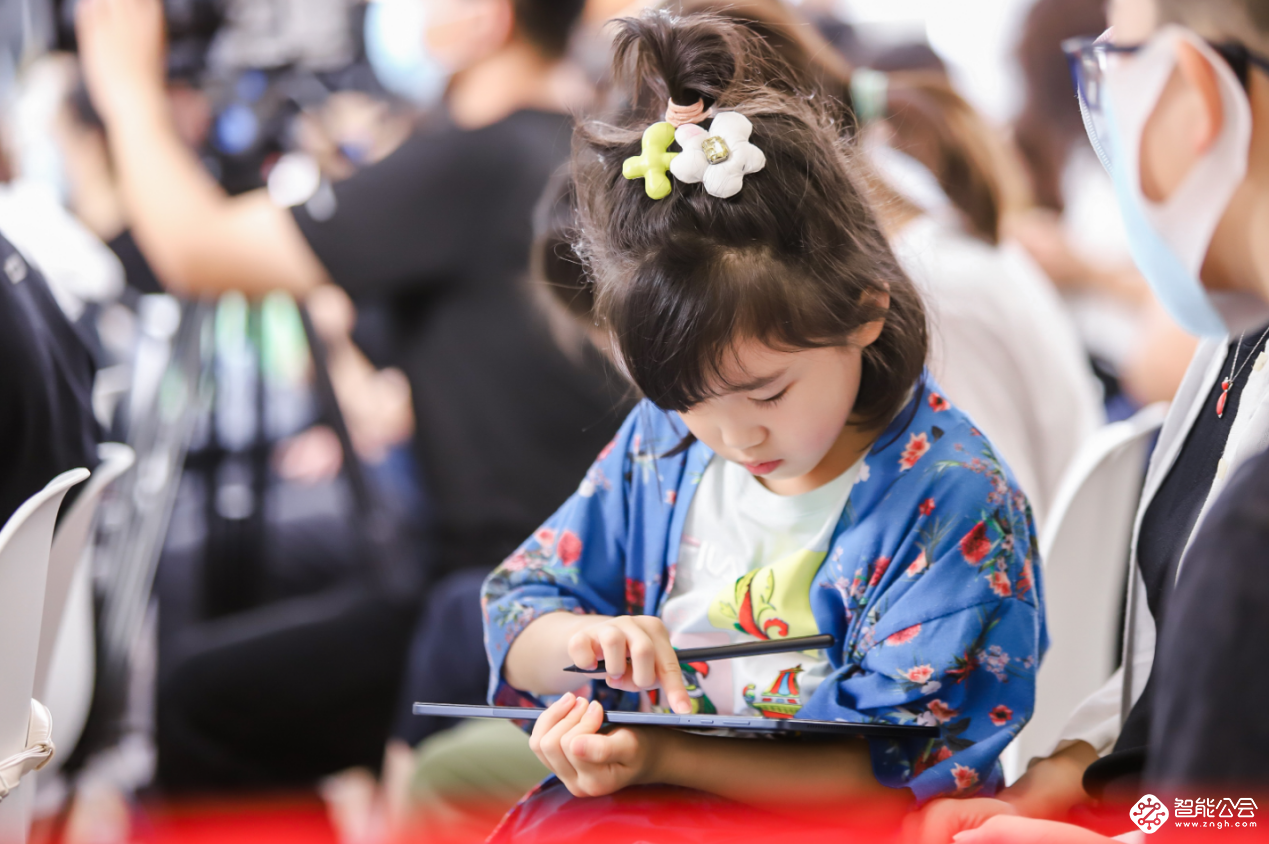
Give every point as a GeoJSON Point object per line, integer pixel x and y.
{"type": "Point", "coordinates": [770, 646]}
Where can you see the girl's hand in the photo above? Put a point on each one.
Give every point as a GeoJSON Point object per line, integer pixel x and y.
{"type": "Point", "coordinates": [941, 820]}
{"type": "Point", "coordinates": [567, 739]}
{"type": "Point", "coordinates": [642, 639]}
{"type": "Point", "coordinates": [1010, 829]}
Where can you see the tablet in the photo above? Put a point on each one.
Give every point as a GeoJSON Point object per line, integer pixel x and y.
{"type": "Point", "coordinates": [738, 723]}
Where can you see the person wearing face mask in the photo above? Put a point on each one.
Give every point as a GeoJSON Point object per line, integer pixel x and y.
{"type": "Point", "coordinates": [1176, 103]}
{"type": "Point", "coordinates": [440, 231]}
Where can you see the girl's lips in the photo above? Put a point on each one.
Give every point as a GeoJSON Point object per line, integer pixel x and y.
{"type": "Point", "coordinates": [763, 468]}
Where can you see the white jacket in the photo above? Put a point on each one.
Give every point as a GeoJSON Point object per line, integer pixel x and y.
{"type": "Point", "coordinates": [1099, 718]}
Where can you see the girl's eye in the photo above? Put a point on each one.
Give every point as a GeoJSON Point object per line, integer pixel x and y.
{"type": "Point", "coordinates": [774, 399]}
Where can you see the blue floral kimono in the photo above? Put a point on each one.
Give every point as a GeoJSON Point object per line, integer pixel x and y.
{"type": "Point", "coordinates": [931, 586]}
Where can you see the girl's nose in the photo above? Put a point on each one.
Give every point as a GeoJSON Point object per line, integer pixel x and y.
{"type": "Point", "coordinates": [743, 438]}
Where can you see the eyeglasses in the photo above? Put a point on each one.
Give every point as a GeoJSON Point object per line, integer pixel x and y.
{"type": "Point", "coordinates": [1089, 59]}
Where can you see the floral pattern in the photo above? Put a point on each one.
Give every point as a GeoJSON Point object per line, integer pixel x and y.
{"type": "Point", "coordinates": [919, 565]}
{"type": "Point", "coordinates": [941, 712]}
{"type": "Point", "coordinates": [878, 571]}
{"type": "Point", "coordinates": [570, 548]}
{"type": "Point", "coordinates": [904, 636]}
{"type": "Point", "coordinates": [920, 675]}
{"type": "Point", "coordinates": [636, 596]}
{"type": "Point", "coordinates": [918, 445]}
{"type": "Point", "coordinates": [975, 545]}
{"type": "Point", "coordinates": [966, 779]}
{"type": "Point", "coordinates": [914, 594]}
{"type": "Point", "coordinates": [996, 661]}
{"type": "Point", "coordinates": [999, 581]}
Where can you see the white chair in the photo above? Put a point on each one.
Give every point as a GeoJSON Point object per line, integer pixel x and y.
{"type": "Point", "coordinates": [1085, 548]}
{"type": "Point", "coordinates": [25, 542]}
{"type": "Point", "coordinates": [66, 663]}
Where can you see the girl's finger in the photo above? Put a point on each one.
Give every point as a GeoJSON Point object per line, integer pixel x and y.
{"type": "Point", "coordinates": [592, 719]}
{"type": "Point", "coordinates": [589, 724]}
{"type": "Point", "coordinates": [616, 748]}
{"type": "Point", "coordinates": [583, 650]}
{"type": "Point", "coordinates": [613, 641]}
{"type": "Point", "coordinates": [550, 747]}
{"type": "Point", "coordinates": [550, 718]}
{"type": "Point", "coordinates": [643, 656]}
{"type": "Point", "coordinates": [625, 684]}
{"type": "Point", "coordinates": [669, 672]}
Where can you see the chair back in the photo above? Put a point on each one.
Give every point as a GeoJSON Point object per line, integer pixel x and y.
{"type": "Point", "coordinates": [70, 545]}
{"type": "Point", "coordinates": [1085, 548]}
{"type": "Point", "coordinates": [66, 664]}
{"type": "Point", "coordinates": [25, 542]}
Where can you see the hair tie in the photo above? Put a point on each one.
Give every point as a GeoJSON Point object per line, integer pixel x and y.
{"type": "Point", "coordinates": [677, 115]}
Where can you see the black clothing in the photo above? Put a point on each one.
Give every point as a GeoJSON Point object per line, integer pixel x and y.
{"type": "Point", "coordinates": [1165, 529]}
{"type": "Point", "coordinates": [441, 230]}
{"type": "Point", "coordinates": [136, 269]}
{"type": "Point", "coordinates": [309, 660]}
{"type": "Point", "coordinates": [1209, 727]}
{"type": "Point", "coordinates": [46, 380]}
{"type": "Point", "coordinates": [281, 695]}
{"type": "Point", "coordinates": [447, 661]}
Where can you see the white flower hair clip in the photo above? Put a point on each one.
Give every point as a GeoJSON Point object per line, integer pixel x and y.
{"type": "Point", "coordinates": [720, 157]}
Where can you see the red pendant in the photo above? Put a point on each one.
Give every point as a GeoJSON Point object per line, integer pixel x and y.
{"type": "Point", "coordinates": [1220, 402]}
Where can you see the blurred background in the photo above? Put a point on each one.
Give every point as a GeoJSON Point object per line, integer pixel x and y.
{"type": "Point", "coordinates": [276, 577]}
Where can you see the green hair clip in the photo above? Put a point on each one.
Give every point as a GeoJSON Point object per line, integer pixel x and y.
{"type": "Point", "coordinates": [654, 162]}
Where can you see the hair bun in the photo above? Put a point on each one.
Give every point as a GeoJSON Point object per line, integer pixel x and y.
{"type": "Point", "coordinates": [659, 57]}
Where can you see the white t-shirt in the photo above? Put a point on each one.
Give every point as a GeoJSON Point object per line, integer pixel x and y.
{"type": "Point", "coordinates": [746, 563]}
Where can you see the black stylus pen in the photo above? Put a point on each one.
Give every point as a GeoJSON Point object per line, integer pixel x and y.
{"type": "Point", "coordinates": [773, 646]}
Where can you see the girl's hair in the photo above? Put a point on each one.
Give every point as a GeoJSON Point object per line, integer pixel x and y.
{"type": "Point", "coordinates": [797, 40]}
{"type": "Point", "coordinates": [552, 262]}
{"type": "Point", "coordinates": [795, 260]}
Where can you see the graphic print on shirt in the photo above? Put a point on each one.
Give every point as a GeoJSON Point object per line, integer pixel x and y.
{"type": "Point", "coordinates": [773, 602]}
{"type": "Point", "coordinates": [782, 699]}
{"type": "Point", "coordinates": [748, 561]}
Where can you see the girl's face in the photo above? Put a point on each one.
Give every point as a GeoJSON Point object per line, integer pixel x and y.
{"type": "Point", "coordinates": [786, 422]}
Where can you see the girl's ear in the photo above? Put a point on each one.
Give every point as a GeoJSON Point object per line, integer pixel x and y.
{"type": "Point", "coordinates": [867, 334]}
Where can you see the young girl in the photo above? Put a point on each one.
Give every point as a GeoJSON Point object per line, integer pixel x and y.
{"type": "Point", "coordinates": [791, 472]}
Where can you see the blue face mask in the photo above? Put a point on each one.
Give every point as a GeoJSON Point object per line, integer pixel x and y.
{"type": "Point", "coordinates": [1176, 287]}
{"type": "Point", "coordinates": [1169, 241]}
{"type": "Point", "coordinates": [394, 36]}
